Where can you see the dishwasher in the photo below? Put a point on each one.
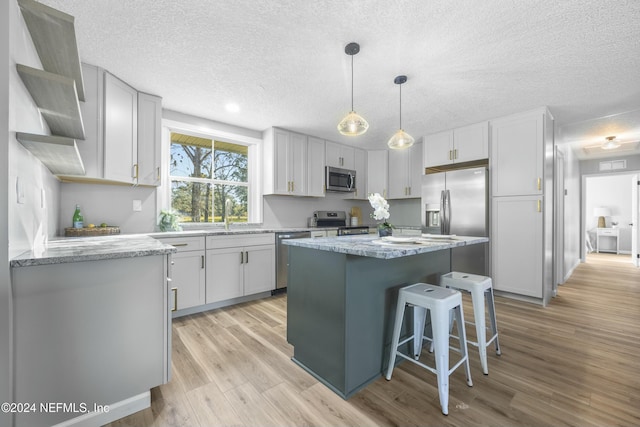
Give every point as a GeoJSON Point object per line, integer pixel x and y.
{"type": "Point", "coordinates": [282, 258]}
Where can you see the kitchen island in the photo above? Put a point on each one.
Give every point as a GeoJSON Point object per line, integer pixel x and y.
{"type": "Point", "coordinates": [92, 328]}
{"type": "Point", "coordinates": [342, 296]}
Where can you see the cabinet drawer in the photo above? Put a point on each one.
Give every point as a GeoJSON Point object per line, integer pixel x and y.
{"type": "Point", "coordinates": [602, 232]}
{"type": "Point", "coordinates": [185, 244]}
{"type": "Point", "coordinates": [240, 240]}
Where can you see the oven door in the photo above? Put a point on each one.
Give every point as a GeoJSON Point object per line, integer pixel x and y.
{"type": "Point", "coordinates": [337, 179]}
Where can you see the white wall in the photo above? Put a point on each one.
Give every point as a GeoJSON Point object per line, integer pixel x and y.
{"type": "Point", "coordinates": [29, 223]}
{"type": "Point", "coordinates": [112, 204]}
{"type": "Point", "coordinates": [613, 192]}
{"type": "Point", "coordinates": [572, 226]}
{"type": "Point", "coordinates": [6, 344]}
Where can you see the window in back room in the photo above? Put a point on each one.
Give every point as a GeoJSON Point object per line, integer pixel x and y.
{"type": "Point", "coordinates": [206, 172]}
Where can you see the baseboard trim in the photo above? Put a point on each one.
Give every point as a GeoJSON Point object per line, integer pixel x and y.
{"type": "Point", "coordinates": [111, 413]}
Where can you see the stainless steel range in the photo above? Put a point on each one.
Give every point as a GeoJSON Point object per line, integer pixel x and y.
{"type": "Point", "coordinates": [338, 219]}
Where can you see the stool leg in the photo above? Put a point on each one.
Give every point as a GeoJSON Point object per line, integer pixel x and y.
{"type": "Point", "coordinates": [477, 298]}
{"type": "Point", "coordinates": [462, 333]}
{"type": "Point", "coordinates": [396, 335]}
{"type": "Point", "coordinates": [419, 316]}
{"type": "Point", "coordinates": [492, 318]}
{"type": "Point", "coordinates": [441, 347]}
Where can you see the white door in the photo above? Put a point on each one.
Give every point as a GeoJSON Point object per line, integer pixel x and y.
{"type": "Point", "coordinates": [635, 233]}
{"type": "Point", "coordinates": [259, 269]}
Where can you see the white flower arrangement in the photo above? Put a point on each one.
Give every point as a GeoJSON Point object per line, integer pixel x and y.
{"type": "Point", "coordinates": [380, 208]}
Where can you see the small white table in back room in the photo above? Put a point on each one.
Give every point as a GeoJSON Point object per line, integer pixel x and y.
{"type": "Point", "coordinates": [608, 232]}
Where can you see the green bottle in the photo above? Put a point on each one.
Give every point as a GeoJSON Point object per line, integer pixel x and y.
{"type": "Point", "coordinates": [78, 219]}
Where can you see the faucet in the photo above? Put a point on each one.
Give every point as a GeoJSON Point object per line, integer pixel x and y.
{"type": "Point", "coordinates": [227, 209]}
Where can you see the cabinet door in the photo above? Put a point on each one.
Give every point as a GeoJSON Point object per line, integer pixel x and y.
{"type": "Point", "coordinates": [188, 276]}
{"type": "Point", "coordinates": [149, 139]}
{"type": "Point", "coordinates": [517, 155]}
{"type": "Point", "coordinates": [377, 170]}
{"type": "Point", "coordinates": [398, 173]}
{"type": "Point", "coordinates": [438, 149]}
{"type": "Point", "coordinates": [315, 167]}
{"type": "Point", "coordinates": [281, 162]}
{"type": "Point", "coordinates": [120, 129]}
{"type": "Point", "coordinates": [339, 156]}
{"type": "Point", "coordinates": [471, 142]}
{"type": "Point", "coordinates": [92, 117]}
{"type": "Point", "coordinates": [516, 244]}
{"type": "Point", "coordinates": [360, 166]}
{"type": "Point", "coordinates": [224, 279]}
{"type": "Point", "coordinates": [415, 171]}
{"type": "Point", "coordinates": [298, 164]}
{"type": "Point", "coordinates": [347, 154]}
{"type": "Point", "coordinates": [259, 269]}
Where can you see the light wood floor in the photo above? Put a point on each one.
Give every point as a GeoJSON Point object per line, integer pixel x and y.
{"type": "Point", "coordinates": [574, 363]}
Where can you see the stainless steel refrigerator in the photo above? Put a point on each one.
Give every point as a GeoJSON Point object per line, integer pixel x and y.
{"type": "Point", "coordinates": [456, 202]}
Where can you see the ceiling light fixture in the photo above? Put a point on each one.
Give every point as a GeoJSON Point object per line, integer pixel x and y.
{"type": "Point", "coordinates": [611, 143]}
{"type": "Point", "coordinates": [353, 124]}
{"type": "Point", "coordinates": [400, 139]}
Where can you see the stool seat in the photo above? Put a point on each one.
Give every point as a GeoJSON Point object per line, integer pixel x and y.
{"type": "Point", "coordinates": [439, 302]}
{"type": "Point", "coordinates": [481, 289]}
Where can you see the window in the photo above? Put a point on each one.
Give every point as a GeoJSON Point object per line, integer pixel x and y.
{"type": "Point", "coordinates": [204, 173]}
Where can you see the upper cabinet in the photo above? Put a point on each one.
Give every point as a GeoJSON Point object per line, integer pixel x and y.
{"type": "Point", "coordinates": [286, 163]}
{"type": "Point", "coordinates": [360, 166]}
{"type": "Point", "coordinates": [405, 172]}
{"type": "Point", "coordinates": [377, 171]}
{"type": "Point", "coordinates": [465, 144]}
{"type": "Point", "coordinates": [120, 130]}
{"type": "Point", "coordinates": [339, 156]}
{"type": "Point", "coordinates": [517, 155]}
{"type": "Point", "coordinates": [315, 166]}
{"type": "Point", "coordinates": [123, 132]}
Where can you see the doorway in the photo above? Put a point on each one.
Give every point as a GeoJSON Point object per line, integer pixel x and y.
{"type": "Point", "coordinates": [609, 194]}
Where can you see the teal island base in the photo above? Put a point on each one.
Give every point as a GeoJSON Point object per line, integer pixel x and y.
{"type": "Point", "coordinates": [341, 307]}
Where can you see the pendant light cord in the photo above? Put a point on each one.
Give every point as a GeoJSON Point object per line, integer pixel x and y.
{"type": "Point", "coordinates": [400, 106]}
{"type": "Point", "coordinates": [351, 82]}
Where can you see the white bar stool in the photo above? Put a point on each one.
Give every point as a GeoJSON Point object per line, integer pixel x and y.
{"type": "Point", "coordinates": [439, 302]}
{"type": "Point", "coordinates": [480, 288]}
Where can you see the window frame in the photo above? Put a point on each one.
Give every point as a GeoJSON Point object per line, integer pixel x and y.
{"type": "Point", "coordinates": [254, 146]}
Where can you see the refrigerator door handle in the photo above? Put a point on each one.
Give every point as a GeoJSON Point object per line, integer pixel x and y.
{"type": "Point", "coordinates": [448, 201]}
{"type": "Point", "coordinates": [442, 213]}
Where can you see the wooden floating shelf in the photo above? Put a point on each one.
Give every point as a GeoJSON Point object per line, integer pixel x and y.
{"type": "Point", "coordinates": [57, 99]}
{"type": "Point", "coordinates": [53, 34]}
{"type": "Point", "coordinates": [59, 154]}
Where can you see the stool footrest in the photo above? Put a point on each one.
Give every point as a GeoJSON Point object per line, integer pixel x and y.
{"type": "Point", "coordinates": [429, 368]}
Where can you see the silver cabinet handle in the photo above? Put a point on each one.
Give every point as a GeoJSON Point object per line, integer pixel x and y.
{"type": "Point", "coordinates": [175, 299]}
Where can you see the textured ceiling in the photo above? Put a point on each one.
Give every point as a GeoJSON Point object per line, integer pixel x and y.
{"type": "Point", "coordinates": [283, 62]}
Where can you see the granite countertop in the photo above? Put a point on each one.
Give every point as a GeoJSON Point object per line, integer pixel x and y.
{"type": "Point", "coordinates": [92, 249]}
{"type": "Point", "coordinates": [375, 247]}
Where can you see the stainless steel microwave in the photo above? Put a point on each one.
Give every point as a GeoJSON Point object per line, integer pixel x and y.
{"type": "Point", "coordinates": [337, 179]}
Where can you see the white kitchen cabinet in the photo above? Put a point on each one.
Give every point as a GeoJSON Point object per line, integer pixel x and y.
{"type": "Point", "coordinates": [122, 136]}
{"type": "Point", "coordinates": [239, 265]}
{"type": "Point", "coordinates": [187, 271]}
{"type": "Point", "coordinates": [285, 162]}
{"type": "Point", "coordinates": [315, 166]}
{"type": "Point", "coordinates": [360, 166]}
{"type": "Point", "coordinates": [517, 155]}
{"type": "Point", "coordinates": [377, 171]}
{"type": "Point", "coordinates": [521, 166]}
{"type": "Point", "coordinates": [339, 156]}
{"type": "Point", "coordinates": [149, 167]}
{"type": "Point", "coordinates": [464, 144]}
{"type": "Point", "coordinates": [120, 130]}
{"type": "Point", "coordinates": [517, 243]}
{"type": "Point", "coordinates": [405, 172]}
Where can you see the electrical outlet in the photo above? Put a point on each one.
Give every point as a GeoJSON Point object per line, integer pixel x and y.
{"type": "Point", "coordinates": [137, 205]}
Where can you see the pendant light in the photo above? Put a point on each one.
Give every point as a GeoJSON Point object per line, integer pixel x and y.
{"type": "Point", "coordinates": [353, 124]}
{"type": "Point", "coordinates": [400, 139]}
{"type": "Point", "coordinates": [611, 143]}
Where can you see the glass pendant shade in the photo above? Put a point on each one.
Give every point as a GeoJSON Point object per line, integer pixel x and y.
{"type": "Point", "coordinates": [400, 140]}
{"type": "Point", "coordinates": [610, 144]}
{"type": "Point", "coordinates": [353, 124]}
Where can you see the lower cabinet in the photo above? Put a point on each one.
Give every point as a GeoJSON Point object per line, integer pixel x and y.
{"type": "Point", "coordinates": [239, 266]}
{"type": "Point", "coordinates": [517, 250]}
{"type": "Point", "coordinates": [187, 272]}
